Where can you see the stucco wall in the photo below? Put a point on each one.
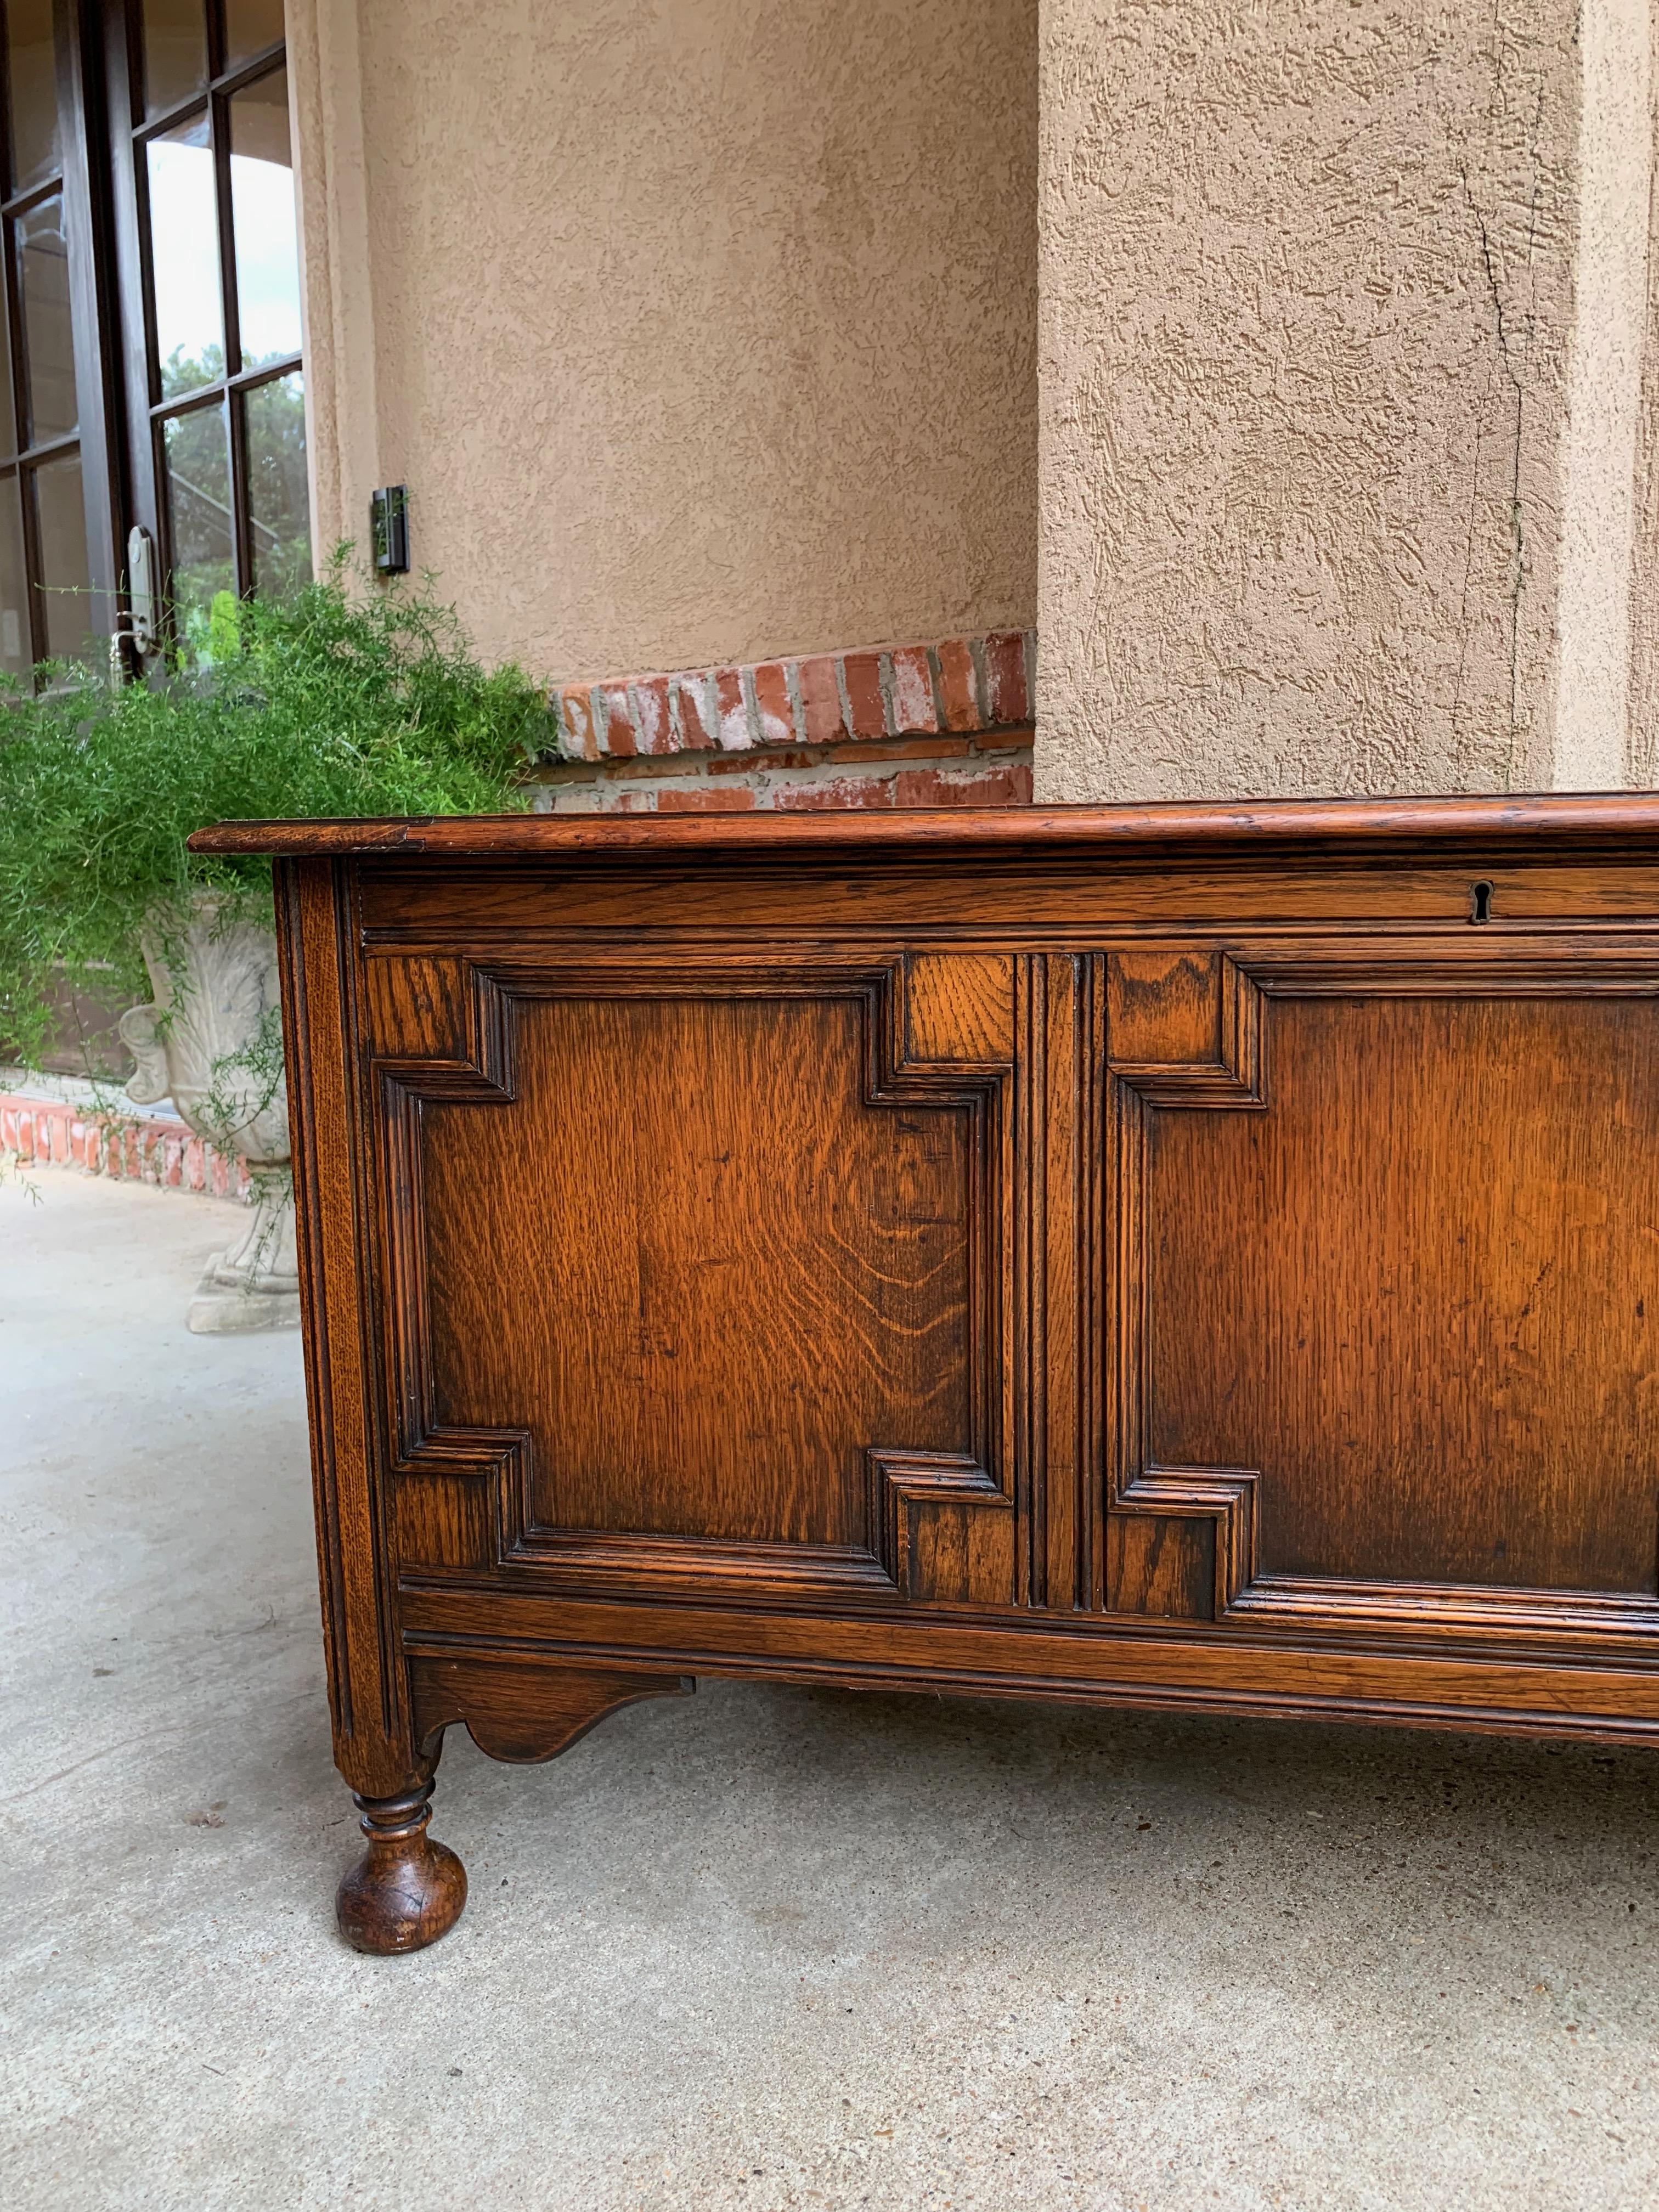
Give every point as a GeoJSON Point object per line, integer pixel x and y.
{"type": "Point", "coordinates": [1342, 329]}
{"type": "Point", "coordinates": [700, 331]}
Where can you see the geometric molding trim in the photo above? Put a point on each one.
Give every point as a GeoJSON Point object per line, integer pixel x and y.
{"type": "Point", "coordinates": [1544, 1616]}
{"type": "Point", "coordinates": [1183, 1027]}
{"type": "Point", "coordinates": [931, 1531]}
{"type": "Point", "coordinates": [1185, 1030]}
{"type": "Point", "coordinates": [939, 1527]}
{"type": "Point", "coordinates": [1224, 1496]}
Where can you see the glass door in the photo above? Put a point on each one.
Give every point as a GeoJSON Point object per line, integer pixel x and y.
{"type": "Point", "coordinates": [215, 393]}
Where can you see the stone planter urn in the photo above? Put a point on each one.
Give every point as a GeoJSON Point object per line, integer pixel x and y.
{"type": "Point", "coordinates": [212, 1041]}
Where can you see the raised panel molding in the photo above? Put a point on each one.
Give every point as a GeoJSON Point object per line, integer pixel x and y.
{"type": "Point", "coordinates": [1063, 1061]}
{"type": "Point", "coordinates": [1183, 1029]}
{"type": "Point", "coordinates": [1186, 1031]}
{"type": "Point", "coordinates": [932, 1533]}
{"type": "Point", "coordinates": [937, 1031]}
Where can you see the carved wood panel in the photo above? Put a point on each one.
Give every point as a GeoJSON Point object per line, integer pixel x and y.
{"type": "Point", "coordinates": [1387, 1251]}
{"type": "Point", "coordinates": [1007, 1223]}
{"type": "Point", "coordinates": [761, 1336]}
{"type": "Point", "coordinates": [1251, 1249]}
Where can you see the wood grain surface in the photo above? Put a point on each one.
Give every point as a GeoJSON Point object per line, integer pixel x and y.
{"type": "Point", "coordinates": [1197, 1257]}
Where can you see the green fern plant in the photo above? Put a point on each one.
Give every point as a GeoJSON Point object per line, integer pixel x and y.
{"type": "Point", "coordinates": [337, 701]}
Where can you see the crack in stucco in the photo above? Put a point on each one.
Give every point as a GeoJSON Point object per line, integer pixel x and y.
{"type": "Point", "coordinates": [1469, 571]}
{"type": "Point", "coordinates": [1517, 523]}
{"type": "Point", "coordinates": [1514, 351]}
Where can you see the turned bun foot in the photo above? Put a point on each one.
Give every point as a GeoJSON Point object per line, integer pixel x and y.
{"type": "Point", "coordinates": [406, 1890]}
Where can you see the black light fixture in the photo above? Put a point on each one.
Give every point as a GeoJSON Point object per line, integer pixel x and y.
{"type": "Point", "coordinates": [388, 524]}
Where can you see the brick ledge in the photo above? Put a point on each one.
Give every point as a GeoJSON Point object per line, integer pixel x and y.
{"type": "Point", "coordinates": [128, 1146]}
{"type": "Point", "coordinates": [962, 686]}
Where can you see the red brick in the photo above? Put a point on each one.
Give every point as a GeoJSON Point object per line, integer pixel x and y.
{"type": "Point", "coordinates": [616, 734]}
{"type": "Point", "coordinates": [831, 792]}
{"type": "Point", "coordinates": [774, 713]}
{"type": "Point", "coordinates": [742, 764]}
{"type": "Point", "coordinates": [1008, 785]}
{"type": "Point", "coordinates": [862, 675]}
{"type": "Point", "coordinates": [733, 711]}
{"type": "Point", "coordinates": [655, 723]}
{"type": "Point", "coordinates": [1005, 677]}
{"type": "Point", "coordinates": [622, 771]}
{"type": "Point", "coordinates": [697, 717]}
{"type": "Point", "coordinates": [913, 689]}
{"type": "Point", "coordinates": [820, 700]}
{"type": "Point", "coordinates": [576, 717]}
{"type": "Point", "coordinates": [634, 802]}
{"type": "Point", "coordinates": [195, 1175]}
{"type": "Point", "coordinates": [958, 685]}
{"type": "Point", "coordinates": [707, 798]}
{"type": "Point", "coordinates": [896, 748]}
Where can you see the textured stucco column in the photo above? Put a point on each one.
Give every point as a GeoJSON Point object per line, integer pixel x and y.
{"type": "Point", "coordinates": [1344, 441]}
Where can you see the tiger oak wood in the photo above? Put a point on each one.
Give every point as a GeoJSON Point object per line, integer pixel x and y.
{"type": "Point", "coordinates": [1192, 1257]}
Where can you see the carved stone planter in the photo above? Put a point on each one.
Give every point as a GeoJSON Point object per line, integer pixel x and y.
{"type": "Point", "coordinates": [212, 1041]}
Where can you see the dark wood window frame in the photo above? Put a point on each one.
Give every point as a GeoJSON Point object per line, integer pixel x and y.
{"type": "Point", "coordinates": [122, 413]}
{"type": "Point", "coordinates": [148, 411]}
{"type": "Point", "coordinates": [96, 437]}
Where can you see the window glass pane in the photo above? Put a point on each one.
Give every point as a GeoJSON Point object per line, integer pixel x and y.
{"type": "Point", "coordinates": [60, 516]}
{"type": "Point", "coordinates": [197, 491]}
{"type": "Point", "coordinates": [16, 656]}
{"type": "Point", "coordinates": [32, 70]}
{"type": "Point", "coordinates": [175, 53]}
{"type": "Point", "coordinates": [48, 353]}
{"type": "Point", "coordinates": [278, 512]}
{"type": "Point", "coordinates": [261, 212]}
{"type": "Point", "coordinates": [184, 237]}
{"type": "Point", "coordinates": [251, 27]}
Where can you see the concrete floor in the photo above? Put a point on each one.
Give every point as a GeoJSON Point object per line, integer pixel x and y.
{"type": "Point", "coordinates": [766, 1947]}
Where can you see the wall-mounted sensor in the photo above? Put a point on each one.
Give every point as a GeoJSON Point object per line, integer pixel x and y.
{"type": "Point", "coordinates": [388, 523]}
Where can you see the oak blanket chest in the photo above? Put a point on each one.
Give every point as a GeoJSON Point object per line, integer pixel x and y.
{"type": "Point", "coordinates": [1189, 1256]}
